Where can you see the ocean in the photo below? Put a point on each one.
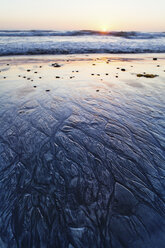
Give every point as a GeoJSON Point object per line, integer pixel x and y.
{"type": "Point", "coordinates": [37, 42]}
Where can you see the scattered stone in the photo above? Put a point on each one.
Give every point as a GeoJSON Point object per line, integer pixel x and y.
{"type": "Point", "coordinates": [77, 71]}
{"type": "Point", "coordinates": [47, 90]}
{"type": "Point", "coordinates": [40, 66]}
{"type": "Point", "coordinates": [98, 74]}
{"type": "Point", "coordinates": [35, 72]}
{"type": "Point", "coordinates": [7, 64]}
{"type": "Point", "coordinates": [4, 77]}
{"type": "Point", "coordinates": [32, 80]}
{"type": "Point", "coordinates": [56, 65]}
{"type": "Point", "coordinates": [34, 86]}
{"type": "Point", "coordinates": [146, 75]}
{"type": "Point", "coordinates": [40, 77]}
{"type": "Point", "coordinates": [97, 90]}
{"type": "Point", "coordinates": [57, 77]}
{"type": "Point", "coordinates": [24, 77]}
{"type": "Point", "coordinates": [116, 76]}
{"type": "Point", "coordinates": [117, 68]}
{"type": "Point", "coordinates": [93, 64]}
{"type": "Point", "coordinates": [19, 75]}
{"type": "Point", "coordinates": [28, 78]}
{"type": "Point", "coordinates": [28, 70]}
{"type": "Point", "coordinates": [106, 74]}
{"type": "Point", "coordinates": [158, 65]}
{"type": "Point", "coordinates": [92, 74]}
{"type": "Point", "coordinates": [123, 69]}
{"type": "Point", "coordinates": [154, 58]}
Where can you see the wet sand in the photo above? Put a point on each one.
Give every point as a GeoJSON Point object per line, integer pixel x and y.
{"type": "Point", "coordinates": [82, 151]}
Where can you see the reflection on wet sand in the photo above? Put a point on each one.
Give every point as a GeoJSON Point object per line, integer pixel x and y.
{"type": "Point", "coordinates": [82, 156]}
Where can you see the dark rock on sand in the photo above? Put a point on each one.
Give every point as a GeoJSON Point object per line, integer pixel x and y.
{"type": "Point", "coordinates": [147, 75]}
{"type": "Point", "coordinates": [56, 65]}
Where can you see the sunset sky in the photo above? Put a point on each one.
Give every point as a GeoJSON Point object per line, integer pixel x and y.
{"type": "Point", "coordinates": [144, 15]}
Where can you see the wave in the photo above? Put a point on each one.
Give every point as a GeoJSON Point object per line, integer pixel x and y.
{"type": "Point", "coordinates": [122, 34]}
{"type": "Point", "coordinates": [45, 51]}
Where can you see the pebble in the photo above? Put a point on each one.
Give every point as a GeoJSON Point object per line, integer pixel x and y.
{"type": "Point", "coordinates": [56, 65]}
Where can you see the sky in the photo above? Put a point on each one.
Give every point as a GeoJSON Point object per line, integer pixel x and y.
{"type": "Point", "coordinates": [109, 15]}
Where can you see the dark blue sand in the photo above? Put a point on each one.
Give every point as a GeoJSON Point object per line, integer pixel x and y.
{"type": "Point", "coordinates": [82, 169]}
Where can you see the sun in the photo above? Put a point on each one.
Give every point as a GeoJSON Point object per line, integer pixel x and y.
{"type": "Point", "coordinates": [104, 29]}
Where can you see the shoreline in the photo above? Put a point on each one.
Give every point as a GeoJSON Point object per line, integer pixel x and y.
{"type": "Point", "coordinates": [74, 57]}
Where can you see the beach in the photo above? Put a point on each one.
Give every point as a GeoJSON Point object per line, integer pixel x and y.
{"type": "Point", "coordinates": [82, 150]}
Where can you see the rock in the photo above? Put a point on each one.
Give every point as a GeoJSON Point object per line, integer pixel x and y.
{"type": "Point", "coordinates": [56, 65]}
{"type": "Point", "coordinates": [146, 75]}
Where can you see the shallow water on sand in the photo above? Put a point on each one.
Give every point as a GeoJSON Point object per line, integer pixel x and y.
{"type": "Point", "coordinates": [82, 157]}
